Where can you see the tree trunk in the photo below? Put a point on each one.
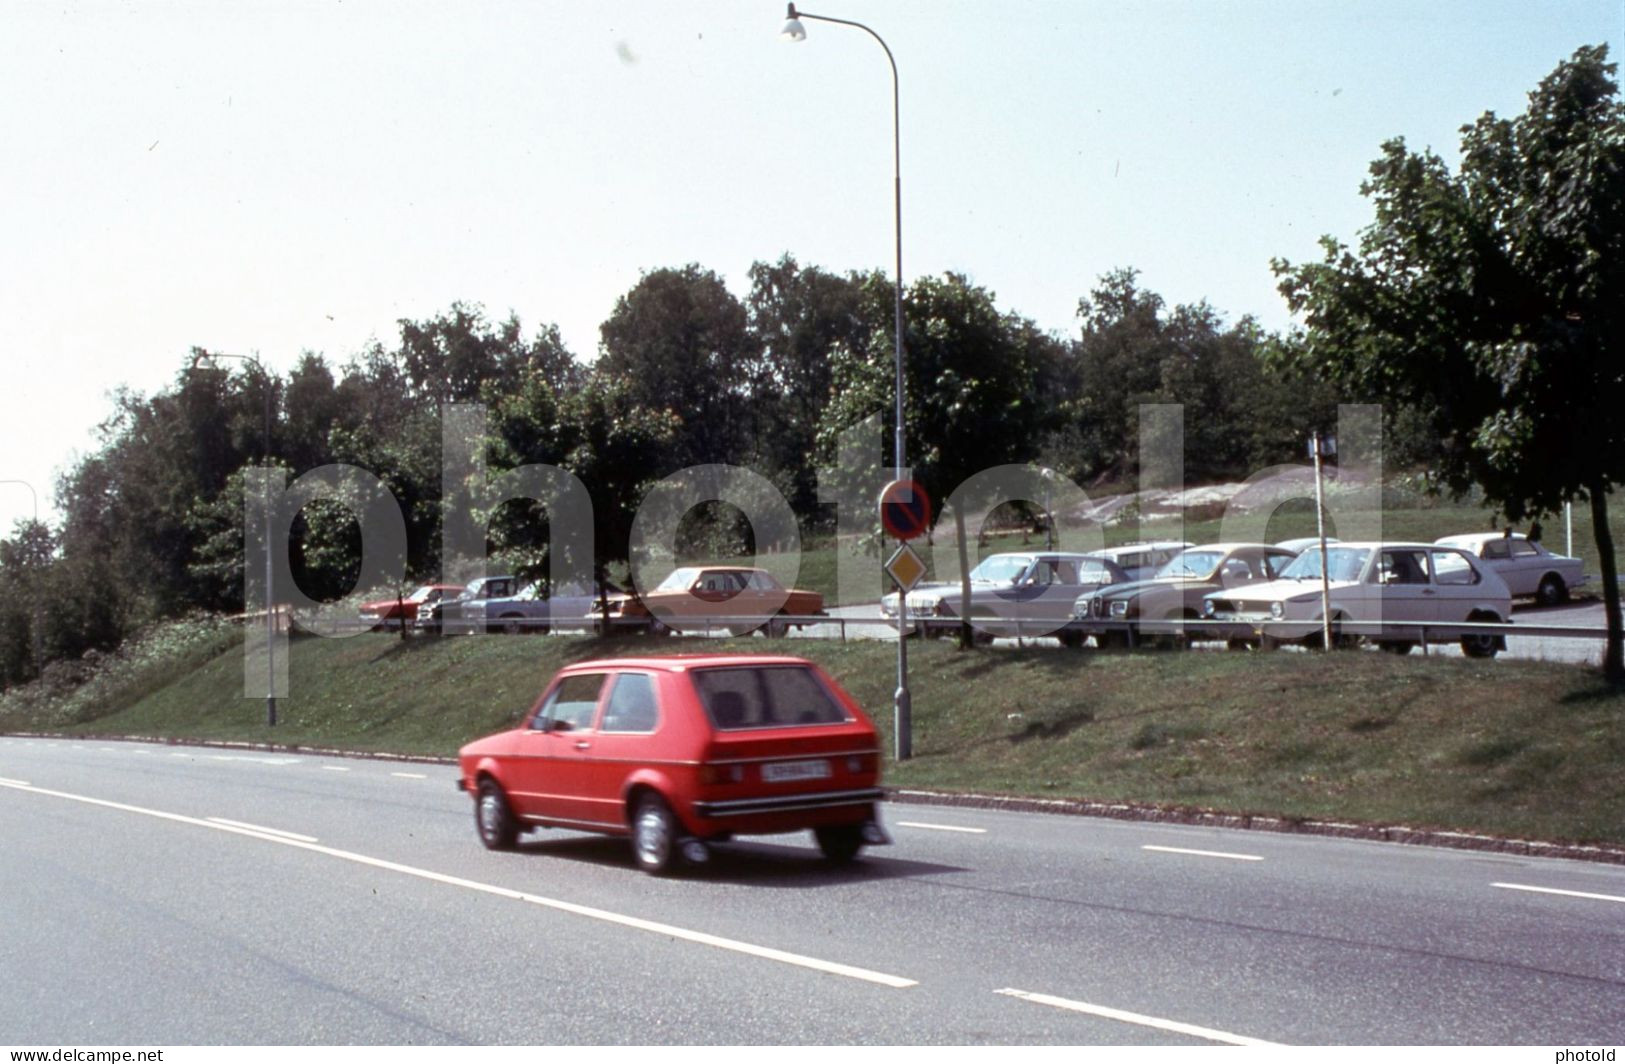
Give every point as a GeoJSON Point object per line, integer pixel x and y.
{"type": "Point", "coordinates": [966, 636]}
{"type": "Point", "coordinates": [1613, 662]}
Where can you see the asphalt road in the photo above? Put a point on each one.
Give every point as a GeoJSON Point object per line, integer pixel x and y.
{"type": "Point", "coordinates": [170, 895]}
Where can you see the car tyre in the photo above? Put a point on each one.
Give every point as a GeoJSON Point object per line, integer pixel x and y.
{"type": "Point", "coordinates": [654, 835]}
{"type": "Point", "coordinates": [1480, 646]}
{"type": "Point", "coordinates": [1398, 649]}
{"type": "Point", "coordinates": [498, 828]}
{"type": "Point", "coordinates": [840, 843]}
{"type": "Point", "coordinates": [777, 628]}
{"type": "Point", "coordinates": [1552, 591]}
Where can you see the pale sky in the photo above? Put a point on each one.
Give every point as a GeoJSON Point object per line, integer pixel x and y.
{"type": "Point", "coordinates": [278, 177]}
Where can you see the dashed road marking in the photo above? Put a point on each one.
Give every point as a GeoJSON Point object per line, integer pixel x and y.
{"type": "Point", "coordinates": [1204, 853]}
{"type": "Point", "coordinates": [1564, 893]}
{"type": "Point", "coordinates": [940, 827]}
{"type": "Point", "coordinates": [409, 775]}
{"type": "Point", "coordinates": [334, 768]}
{"type": "Point", "coordinates": [1172, 1026]}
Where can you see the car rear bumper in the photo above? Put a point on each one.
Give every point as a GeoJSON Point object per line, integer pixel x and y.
{"type": "Point", "coordinates": [787, 803]}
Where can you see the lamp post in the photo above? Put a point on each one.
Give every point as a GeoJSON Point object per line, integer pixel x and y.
{"type": "Point", "coordinates": [1049, 507]}
{"type": "Point", "coordinates": [270, 597]}
{"type": "Point", "coordinates": [34, 623]}
{"type": "Point", "coordinates": [794, 31]}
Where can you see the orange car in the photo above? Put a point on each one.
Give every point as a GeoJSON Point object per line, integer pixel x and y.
{"type": "Point", "coordinates": [737, 598]}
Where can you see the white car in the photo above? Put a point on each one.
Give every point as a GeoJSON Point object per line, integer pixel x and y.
{"type": "Point", "coordinates": [1142, 560]}
{"type": "Point", "coordinates": [1529, 569]}
{"type": "Point", "coordinates": [1015, 593]}
{"type": "Point", "coordinates": [1398, 584]}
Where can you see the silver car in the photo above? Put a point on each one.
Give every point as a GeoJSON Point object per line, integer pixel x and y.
{"type": "Point", "coordinates": [1529, 569]}
{"type": "Point", "coordinates": [1026, 593]}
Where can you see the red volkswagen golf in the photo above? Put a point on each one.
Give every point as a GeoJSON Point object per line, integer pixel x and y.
{"type": "Point", "coordinates": [682, 752]}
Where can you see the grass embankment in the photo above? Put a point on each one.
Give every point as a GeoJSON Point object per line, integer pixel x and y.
{"type": "Point", "coordinates": [1520, 749]}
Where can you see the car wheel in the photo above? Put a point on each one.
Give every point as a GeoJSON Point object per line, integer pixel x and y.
{"type": "Point", "coordinates": [1552, 591]}
{"type": "Point", "coordinates": [512, 624]}
{"type": "Point", "coordinates": [777, 627]}
{"type": "Point", "coordinates": [1070, 639]}
{"type": "Point", "coordinates": [840, 843]}
{"type": "Point", "coordinates": [1398, 649]}
{"type": "Point", "coordinates": [497, 827]}
{"type": "Point", "coordinates": [657, 627]}
{"type": "Point", "coordinates": [654, 835]}
{"type": "Point", "coordinates": [1478, 645]}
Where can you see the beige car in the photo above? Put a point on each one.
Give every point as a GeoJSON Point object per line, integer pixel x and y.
{"type": "Point", "coordinates": [733, 598]}
{"type": "Point", "coordinates": [1392, 589]}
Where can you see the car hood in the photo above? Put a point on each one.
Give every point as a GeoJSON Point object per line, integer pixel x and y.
{"type": "Point", "coordinates": [1281, 590]}
{"type": "Point", "coordinates": [1138, 587]}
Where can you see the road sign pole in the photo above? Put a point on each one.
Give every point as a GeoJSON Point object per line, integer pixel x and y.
{"type": "Point", "coordinates": [902, 704]}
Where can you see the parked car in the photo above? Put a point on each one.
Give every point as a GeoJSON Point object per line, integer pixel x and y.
{"type": "Point", "coordinates": [737, 598]}
{"type": "Point", "coordinates": [1017, 592]}
{"type": "Point", "coordinates": [1529, 569]}
{"type": "Point", "coordinates": [679, 753]}
{"type": "Point", "coordinates": [395, 611]}
{"type": "Point", "coordinates": [1142, 560]}
{"type": "Point", "coordinates": [464, 613]}
{"type": "Point", "coordinates": [1303, 543]}
{"type": "Point", "coordinates": [1176, 592]}
{"type": "Point", "coordinates": [1375, 582]}
{"type": "Point", "coordinates": [531, 608]}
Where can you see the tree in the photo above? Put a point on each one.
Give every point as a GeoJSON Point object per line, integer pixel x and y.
{"type": "Point", "coordinates": [678, 341]}
{"type": "Point", "coordinates": [1493, 301]}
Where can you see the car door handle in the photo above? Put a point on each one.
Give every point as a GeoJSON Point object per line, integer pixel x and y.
{"type": "Point", "coordinates": [582, 744]}
{"type": "Point", "coordinates": [1429, 591]}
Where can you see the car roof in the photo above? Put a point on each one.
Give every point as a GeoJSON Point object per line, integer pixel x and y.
{"type": "Point", "coordinates": [1156, 544]}
{"type": "Point", "coordinates": [683, 662]}
{"type": "Point", "coordinates": [1478, 537]}
{"type": "Point", "coordinates": [1232, 546]}
{"type": "Point", "coordinates": [1389, 544]}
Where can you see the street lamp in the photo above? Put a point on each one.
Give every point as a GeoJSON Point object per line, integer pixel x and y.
{"type": "Point", "coordinates": [1049, 507]}
{"type": "Point", "coordinates": [270, 598]}
{"type": "Point", "coordinates": [794, 31]}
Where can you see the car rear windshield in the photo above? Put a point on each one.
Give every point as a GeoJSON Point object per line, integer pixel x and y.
{"type": "Point", "coordinates": [766, 696]}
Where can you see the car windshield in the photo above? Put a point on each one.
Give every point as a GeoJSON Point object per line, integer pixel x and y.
{"type": "Point", "coordinates": [766, 696]}
{"type": "Point", "coordinates": [679, 580]}
{"type": "Point", "coordinates": [1197, 563]}
{"type": "Point", "coordinates": [1000, 569]}
{"type": "Point", "coordinates": [1346, 564]}
{"type": "Point", "coordinates": [421, 594]}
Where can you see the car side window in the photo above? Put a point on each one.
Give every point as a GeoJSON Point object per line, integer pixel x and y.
{"type": "Point", "coordinates": [1522, 548]}
{"type": "Point", "coordinates": [632, 706]}
{"type": "Point", "coordinates": [571, 705]}
{"type": "Point", "coordinates": [1403, 567]}
{"type": "Point", "coordinates": [1453, 569]}
{"type": "Point", "coordinates": [1275, 563]}
{"type": "Point", "coordinates": [1496, 549]}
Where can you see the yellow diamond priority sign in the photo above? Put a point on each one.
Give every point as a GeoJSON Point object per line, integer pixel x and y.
{"type": "Point", "coordinates": [905, 567]}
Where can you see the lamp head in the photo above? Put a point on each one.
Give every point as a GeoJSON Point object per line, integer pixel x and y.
{"type": "Point", "coordinates": [793, 29]}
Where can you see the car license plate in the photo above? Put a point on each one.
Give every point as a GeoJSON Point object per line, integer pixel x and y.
{"type": "Point", "coordinates": [785, 771]}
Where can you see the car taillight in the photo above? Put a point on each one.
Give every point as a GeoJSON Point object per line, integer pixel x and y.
{"type": "Point", "coordinates": [857, 764]}
{"type": "Point", "coordinates": [712, 774]}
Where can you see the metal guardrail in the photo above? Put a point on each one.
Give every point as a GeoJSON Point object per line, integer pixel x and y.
{"type": "Point", "coordinates": [1422, 633]}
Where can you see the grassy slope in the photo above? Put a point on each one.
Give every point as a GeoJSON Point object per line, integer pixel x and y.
{"type": "Point", "coordinates": [1511, 748]}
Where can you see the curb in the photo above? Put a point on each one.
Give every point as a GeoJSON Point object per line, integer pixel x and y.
{"type": "Point", "coordinates": [1395, 833]}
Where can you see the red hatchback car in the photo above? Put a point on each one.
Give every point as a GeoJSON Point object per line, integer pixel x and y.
{"type": "Point", "coordinates": [682, 752]}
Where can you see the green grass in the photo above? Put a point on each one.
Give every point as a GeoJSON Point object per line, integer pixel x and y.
{"type": "Point", "coordinates": [1522, 749]}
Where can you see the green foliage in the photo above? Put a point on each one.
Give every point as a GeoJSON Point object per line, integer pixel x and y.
{"type": "Point", "coordinates": [1491, 303]}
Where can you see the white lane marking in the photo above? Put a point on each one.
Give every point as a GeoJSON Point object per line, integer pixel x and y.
{"type": "Point", "coordinates": [940, 827]}
{"type": "Point", "coordinates": [265, 830]}
{"type": "Point", "coordinates": [1203, 853]}
{"type": "Point", "coordinates": [637, 923]}
{"type": "Point", "coordinates": [255, 760]}
{"type": "Point", "coordinates": [334, 768]}
{"type": "Point", "coordinates": [409, 775]}
{"type": "Point", "coordinates": [18, 783]}
{"type": "Point", "coordinates": [1173, 1026]}
{"type": "Point", "coordinates": [1554, 890]}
